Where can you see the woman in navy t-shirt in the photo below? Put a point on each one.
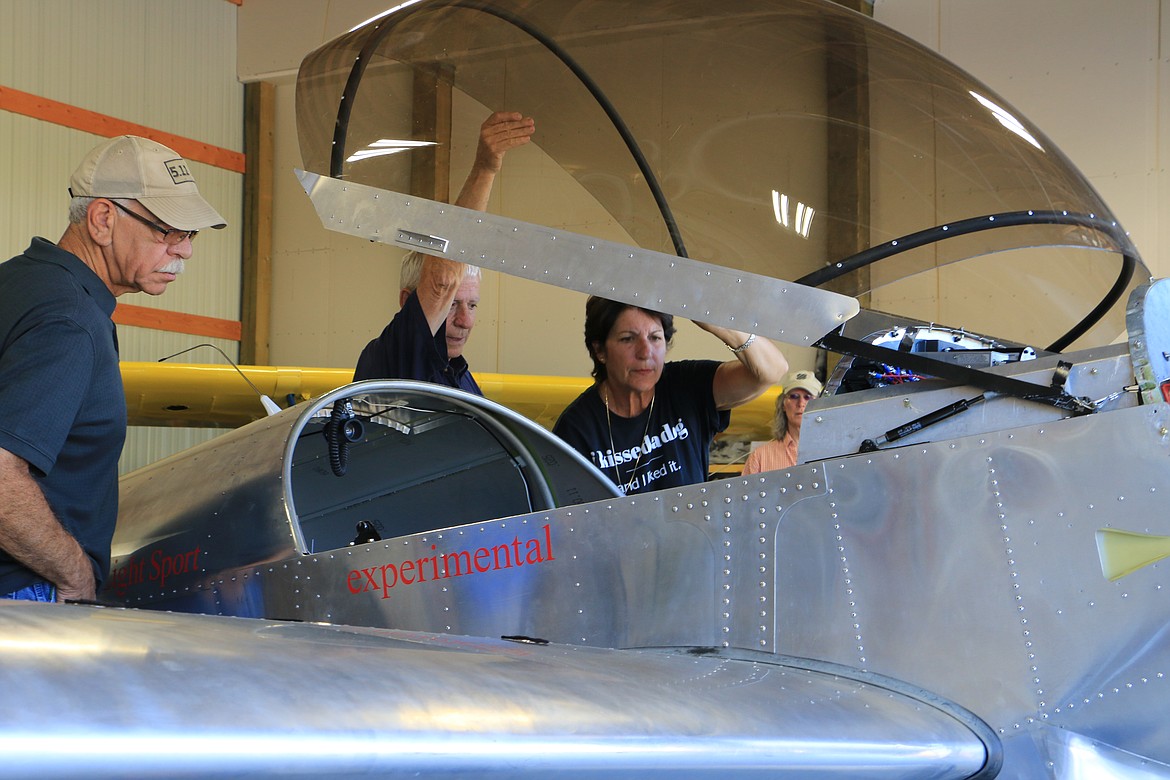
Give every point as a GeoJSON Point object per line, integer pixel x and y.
{"type": "Point", "coordinates": [648, 424]}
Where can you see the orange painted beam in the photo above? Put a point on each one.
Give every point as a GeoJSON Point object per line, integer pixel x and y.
{"type": "Point", "coordinates": [87, 121]}
{"type": "Point", "coordinates": [177, 322]}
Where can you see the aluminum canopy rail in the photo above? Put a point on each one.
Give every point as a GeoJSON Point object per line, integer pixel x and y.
{"type": "Point", "coordinates": [782, 310]}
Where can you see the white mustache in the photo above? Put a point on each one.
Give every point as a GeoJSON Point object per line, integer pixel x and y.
{"type": "Point", "coordinates": [173, 267]}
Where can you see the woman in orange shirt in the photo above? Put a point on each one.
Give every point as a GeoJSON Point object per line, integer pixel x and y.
{"type": "Point", "coordinates": [800, 387]}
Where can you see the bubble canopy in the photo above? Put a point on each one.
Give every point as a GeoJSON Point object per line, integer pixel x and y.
{"type": "Point", "coordinates": [790, 138]}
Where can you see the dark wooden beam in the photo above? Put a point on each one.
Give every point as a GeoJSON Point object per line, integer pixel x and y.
{"type": "Point", "coordinates": [256, 252]}
{"type": "Point", "coordinates": [430, 172]}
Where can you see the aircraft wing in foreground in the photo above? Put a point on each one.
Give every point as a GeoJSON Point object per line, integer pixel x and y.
{"type": "Point", "coordinates": [114, 693]}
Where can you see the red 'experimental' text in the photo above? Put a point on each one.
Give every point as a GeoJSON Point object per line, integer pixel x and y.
{"type": "Point", "coordinates": [440, 566]}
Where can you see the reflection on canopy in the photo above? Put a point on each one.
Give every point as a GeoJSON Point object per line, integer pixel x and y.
{"type": "Point", "coordinates": [791, 138]}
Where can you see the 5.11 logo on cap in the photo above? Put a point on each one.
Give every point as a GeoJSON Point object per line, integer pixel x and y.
{"type": "Point", "coordinates": [177, 168]}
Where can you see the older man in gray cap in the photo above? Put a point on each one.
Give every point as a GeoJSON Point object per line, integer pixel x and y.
{"type": "Point", "coordinates": [134, 214]}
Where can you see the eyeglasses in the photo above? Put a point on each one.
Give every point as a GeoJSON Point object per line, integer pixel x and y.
{"type": "Point", "coordinates": [170, 236]}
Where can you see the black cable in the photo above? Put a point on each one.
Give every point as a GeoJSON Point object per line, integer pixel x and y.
{"type": "Point", "coordinates": [342, 428]}
{"type": "Point", "coordinates": [349, 94]}
{"type": "Point", "coordinates": [964, 227]}
{"type": "Point", "coordinates": [269, 405]}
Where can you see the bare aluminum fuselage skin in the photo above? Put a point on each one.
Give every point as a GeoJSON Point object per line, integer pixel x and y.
{"type": "Point", "coordinates": [963, 562]}
{"type": "Point", "coordinates": [616, 574]}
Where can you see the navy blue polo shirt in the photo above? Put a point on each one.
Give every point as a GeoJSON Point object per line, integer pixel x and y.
{"type": "Point", "coordinates": [62, 407]}
{"type": "Point", "coordinates": [406, 350]}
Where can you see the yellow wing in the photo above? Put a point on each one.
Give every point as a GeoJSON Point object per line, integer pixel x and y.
{"type": "Point", "coordinates": [217, 396]}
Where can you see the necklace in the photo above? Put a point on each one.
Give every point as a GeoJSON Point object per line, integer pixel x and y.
{"type": "Point", "coordinates": [626, 487]}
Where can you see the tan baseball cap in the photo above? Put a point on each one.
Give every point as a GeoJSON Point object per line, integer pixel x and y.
{"type": "Point", "coordinates": [803, 379]}
{"type": "Point", "coordinates": [129, 166]}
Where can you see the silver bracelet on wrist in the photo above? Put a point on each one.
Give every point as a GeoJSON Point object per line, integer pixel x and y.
{"type": "Point", "coordinates": [743, 346]}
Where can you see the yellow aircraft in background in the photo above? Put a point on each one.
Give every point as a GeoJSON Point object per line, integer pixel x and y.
{"type": "Point", "coordinates": [215, 396]}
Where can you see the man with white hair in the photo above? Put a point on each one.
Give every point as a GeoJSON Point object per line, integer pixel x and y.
{"type": "Point", "coordinates": [134, 213]}
{"type": "Point", "coordinates": [439, 297]}
{"type": "Point", "coordinates": [439, 348]}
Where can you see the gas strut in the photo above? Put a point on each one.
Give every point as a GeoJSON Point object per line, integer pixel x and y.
{"type": "Point", "coordinates": [925, 421]}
